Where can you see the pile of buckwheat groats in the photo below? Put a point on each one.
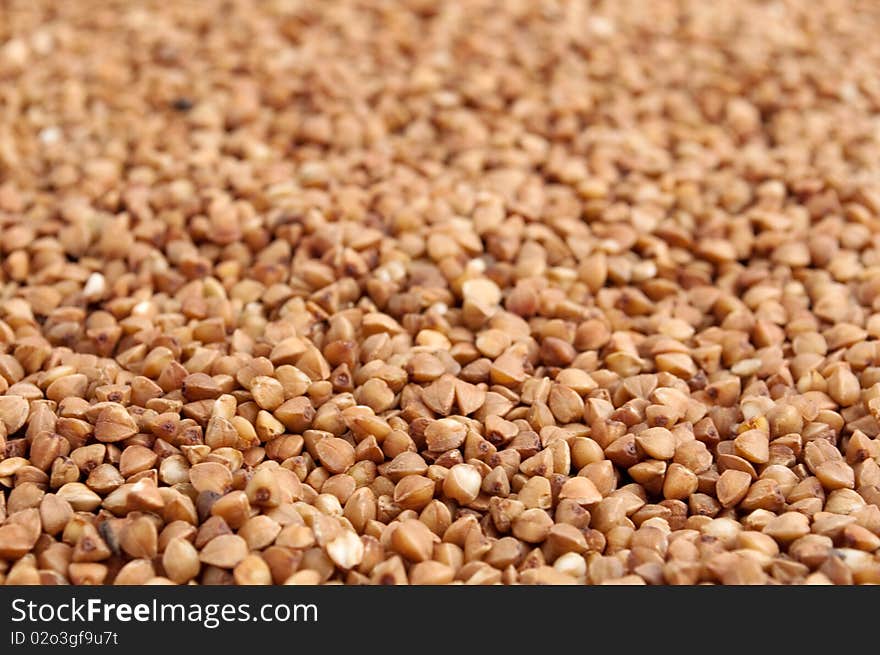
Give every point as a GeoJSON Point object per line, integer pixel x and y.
{"type": "Point", "coordinates": [431, 292]}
